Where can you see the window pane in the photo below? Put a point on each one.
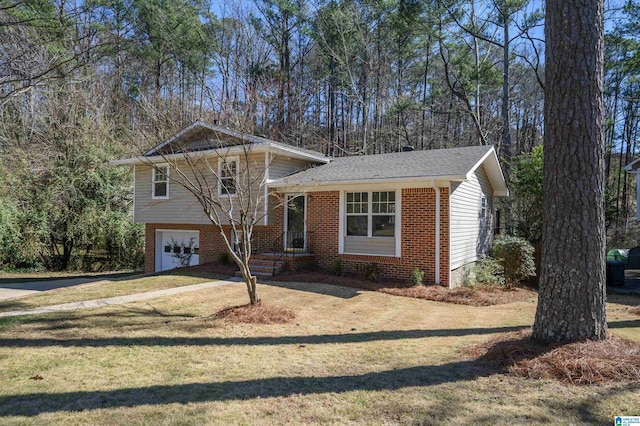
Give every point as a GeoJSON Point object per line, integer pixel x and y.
{"type": "Point", "coordinates": [376, 208]}
{"type": "Point", "coordinates": [167, 249]}
{"type": "Point", "coordinates": [392, 196]}
{"type": "Point", "coordinates": [176, 249]}
{"type": "Point", "coordinates": [196, 250]}
{"type": "Point", "coordinates": [383, 226]}
{"type": "Point", "coordinates": [365, 206]}
{"type": "Point", "coordinates": [349, 197]}
{"type": "Point", "coordinates": [349, 208]}
{"type": "Point", "coordinates": [160, 174]}
{"type": "Point", "coordinates": [357, 225]}
{"type": "Point", "coordinates": [376, 196]}
{"type": "Point", "coordinates": [365, 197]}
{"type": "Point", "coordinates": [160, 189]}
{"type": "Point", "coordinates": [187, 250]}
{"type": "Point", "coordinates": [228, 186]}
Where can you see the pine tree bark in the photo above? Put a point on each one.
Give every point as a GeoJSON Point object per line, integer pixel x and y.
{"type": "Point", "coordinates": [571, 304]}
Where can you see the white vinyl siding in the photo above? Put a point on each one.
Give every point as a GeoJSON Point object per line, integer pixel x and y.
{"type": "Point", "coordinates": [470, 233]}
{"type": "Point", "coordinates": [182, 207]}
{"type": "Point", "coordinates": [280, 167]}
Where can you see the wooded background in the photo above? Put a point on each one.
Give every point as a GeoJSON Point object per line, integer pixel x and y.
{"type": "Point", "coordinates": [85, 82]}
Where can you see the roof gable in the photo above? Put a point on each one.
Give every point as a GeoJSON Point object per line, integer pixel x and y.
{"type": "Point", "coordinates": [208, 139]}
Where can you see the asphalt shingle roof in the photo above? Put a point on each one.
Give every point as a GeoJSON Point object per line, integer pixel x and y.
{"type": "Point", "coordinates": [424, 164]}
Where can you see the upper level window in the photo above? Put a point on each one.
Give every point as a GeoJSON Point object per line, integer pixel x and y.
{"type": "Point", "coordinates": [228, 173]}
{"type": "Point", "coordinates": [160, 182]}
{"type": "Point", "coordinates": [371, 214]}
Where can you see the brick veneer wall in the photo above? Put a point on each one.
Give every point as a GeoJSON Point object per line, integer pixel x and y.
{"type": "Point", "coordinates": [323, 219]}
{"type": "Point", "coordinates": [417, 230]}
{"type": "Point", "coordinates": [211, 242]}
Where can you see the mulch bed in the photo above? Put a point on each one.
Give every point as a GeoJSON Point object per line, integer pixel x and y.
{"type": "Point", "coordinates": [612, 360]}
{"type": "Point", "coordinates": [257, 314]}
{"type": "Point", "coordinates": [472, 296]}
{"type": "Point", "coordinates": [635, 311]}
{"type": "Point", "coordinates": [479, 296]}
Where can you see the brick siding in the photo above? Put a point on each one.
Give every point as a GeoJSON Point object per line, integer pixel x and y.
{"type": "Point", "coordinates": [418, 214]}
{"type": "Point", "coordinates": [417, 233]}
{"type": "Point", "coordinates": [210, 240]}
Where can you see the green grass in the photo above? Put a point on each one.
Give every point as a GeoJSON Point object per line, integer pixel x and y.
{"type": "Point", "coordinates": [120, 286]}
{"type": "Point", "coordinates": [350, 357]}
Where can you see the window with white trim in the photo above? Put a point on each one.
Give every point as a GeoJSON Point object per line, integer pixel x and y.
{"type": "Point", "coordinates": [160, 182]}
{"type": "Point", "coordinates": [371, 214]}
{"type": "Point", "coordinates": [228, 173]}
{"type": "Point", "coordinates": [358, 213]}
{"type": "Point", "coordinates": [483, 207]}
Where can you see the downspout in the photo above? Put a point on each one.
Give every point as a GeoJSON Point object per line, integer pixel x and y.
{"type": "Point", "coordinates": [437, 268]}
{"type": "Point", "coordinates": [267, 163]}
{"type": "Point", "coordinates": [638, 198]}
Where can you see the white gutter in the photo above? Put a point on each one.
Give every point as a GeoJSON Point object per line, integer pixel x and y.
{"type": "Point", "coordinates": [413, 181]}
{"type": "Point", "coordinates": [437, 268]}
{"type": "Point", "coordinates": [220, 152]}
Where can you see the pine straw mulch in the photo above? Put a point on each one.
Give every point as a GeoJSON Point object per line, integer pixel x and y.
{"type": "Point", "coordinates": [472, 296]}
{"type": "Point", "coordinates": [256, 314]}
{"type": "Point", "coordinates": [612, 360]}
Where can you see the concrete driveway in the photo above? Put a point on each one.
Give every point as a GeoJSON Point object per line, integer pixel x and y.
{"type": "Point", "coordinates": [10, 288]}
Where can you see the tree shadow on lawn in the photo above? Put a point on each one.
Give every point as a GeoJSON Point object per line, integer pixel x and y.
{"type": "Point", "coordinates": [47, 283]}
{"type": "Point", "coordinates": [390, 380]}
{"type": "Point", "coordinates": [254, 341]}
{"type": "Point", "coordinates": [319, 288]}
{"type": "Point", "coordinates": [38, 403]}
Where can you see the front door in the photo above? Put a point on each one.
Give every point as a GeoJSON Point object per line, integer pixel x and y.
{"type": "Point", "coordinates": [295, 223]}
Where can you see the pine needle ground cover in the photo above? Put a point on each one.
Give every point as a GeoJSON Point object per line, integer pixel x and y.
{"type": "Point", "coordinates": [349, 356]}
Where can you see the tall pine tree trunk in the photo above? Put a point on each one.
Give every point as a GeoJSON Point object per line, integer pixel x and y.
{"type": "Point", "coordinates": [571, 305]}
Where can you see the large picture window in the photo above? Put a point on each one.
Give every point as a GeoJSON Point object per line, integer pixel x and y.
{"type": "Point", "coordinates": [228, 173]}
{"type": "Point", "coordinates": [371, 214]}
{"type": "Point", "coordinates": [160, 182]}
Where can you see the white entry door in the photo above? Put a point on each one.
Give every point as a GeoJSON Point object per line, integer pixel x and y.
{"type": "Point", "coordinates": [177, 249]}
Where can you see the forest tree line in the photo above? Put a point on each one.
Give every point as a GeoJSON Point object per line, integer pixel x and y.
{"type": "Point", "coordinates": [85, 82]}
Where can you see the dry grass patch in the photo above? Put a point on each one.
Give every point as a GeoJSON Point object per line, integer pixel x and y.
{"type": "Point", "coordinates": [350, 357]}
{"type": "Point", "coordinates": [104, 289]}
{"type": "Point", "coordinates": [609, 361]}
{"type": "Point", "coordinates": [480, 296]}
{"type": "Point", "coordinates": [257, 314]}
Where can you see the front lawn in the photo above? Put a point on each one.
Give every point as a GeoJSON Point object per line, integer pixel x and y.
{"type": "Point", "coordinates": [111, 287]}
{"type": "Point", "coordinates": [350, 357]}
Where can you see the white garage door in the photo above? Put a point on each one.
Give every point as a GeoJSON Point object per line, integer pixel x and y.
{"type": "Point", "coordinates": [177, 249]}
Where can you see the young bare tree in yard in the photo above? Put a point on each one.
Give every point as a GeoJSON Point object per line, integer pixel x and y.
{"type": "Point", "coordinates": [571, 305]}
{"type": "Point", "coordinates": [229, 184]}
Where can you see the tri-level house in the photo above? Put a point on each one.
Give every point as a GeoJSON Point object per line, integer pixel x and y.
{"type": "Point", "coordinates": [431, 210]}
